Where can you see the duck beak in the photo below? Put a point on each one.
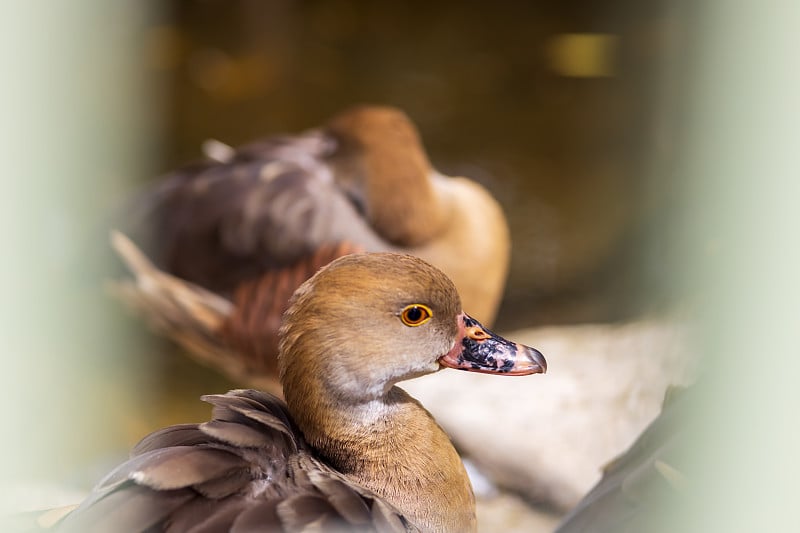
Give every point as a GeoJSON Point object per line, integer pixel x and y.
{"type": "Point", "coordinates": [479, 350]}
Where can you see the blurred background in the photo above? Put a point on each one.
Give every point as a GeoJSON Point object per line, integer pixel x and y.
{"type": "Point", "coordinates": [551, 105]}
{"type": "Point", "coordinates": [610, 132]}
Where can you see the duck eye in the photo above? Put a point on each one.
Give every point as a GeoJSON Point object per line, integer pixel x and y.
{"type": "Point", "coordinates": [415, 314]}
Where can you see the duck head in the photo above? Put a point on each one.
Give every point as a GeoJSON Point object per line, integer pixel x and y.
{"type": "Point", "coordinates": [382, 164]}
{"type": "Point", "coordinates": [367, 321]}
{"type": "Point", "coordinates": [360, 325]}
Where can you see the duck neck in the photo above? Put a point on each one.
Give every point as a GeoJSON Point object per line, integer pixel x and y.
{"type": "Point", "coordinates": [402, 203]}
{"type": "Point", "coordinates": [392, 446]}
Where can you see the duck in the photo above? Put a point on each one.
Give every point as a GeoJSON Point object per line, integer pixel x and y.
{"type": "Point", "coordinates": [347, 449]}
{"type": "Point", "coordinates": [251, 224]}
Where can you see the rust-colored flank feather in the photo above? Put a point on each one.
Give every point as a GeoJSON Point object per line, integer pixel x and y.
{"type": "Point", "coordinates": [252, 328]}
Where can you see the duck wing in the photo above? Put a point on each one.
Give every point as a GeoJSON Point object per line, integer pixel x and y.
{"type": "Point", "coordinates": [248, 469]}
{"type": "Point", "coordinates": [263, 206]}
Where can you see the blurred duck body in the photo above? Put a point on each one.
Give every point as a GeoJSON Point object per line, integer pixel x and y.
{"type": "Point", "coordinates": [251, 224]}
{"type": "Point", "coordinates": [348, 450]}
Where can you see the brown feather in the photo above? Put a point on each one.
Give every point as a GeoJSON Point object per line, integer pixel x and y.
{"type": "Point", "coordinates": [221, 487]}
{"type": "Point", "coordinates": [298, 511]}
{"type": "Point", "coordinates": [199, 517]}
{"type": "Point", "coordinates": [178, 435]}
{"type": "Point", "coordinates": [347, 503]}
{"type": "Point", "coordinates": [183, 466]}
{"type": "Point", "coordinates": [257, 517]}
{"type": "Point", "coordinates": [132, 508]}
{"type": "Point", "coordinates": [243, 410]}
{"type": "Point", "coordinates": [236, 434]}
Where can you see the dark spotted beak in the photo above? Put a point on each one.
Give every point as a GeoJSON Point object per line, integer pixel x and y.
{"type": "Point", "coordinates": [479, 350]}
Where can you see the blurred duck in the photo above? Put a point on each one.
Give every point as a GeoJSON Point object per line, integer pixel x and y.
{"type": "Point", "coordinates": [348, 450]}
{"type": "Point", "coordinates": [249, 225]}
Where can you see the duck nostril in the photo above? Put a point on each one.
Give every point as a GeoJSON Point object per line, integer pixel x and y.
{"type": "Point", "coordinates": [476, 333]}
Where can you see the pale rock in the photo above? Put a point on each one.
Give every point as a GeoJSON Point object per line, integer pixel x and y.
{"type": "Point", "coordinates": [548, 437]}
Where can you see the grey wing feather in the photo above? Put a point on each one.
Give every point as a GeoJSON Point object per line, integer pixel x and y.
{"type": "Point", "coordinates": [239, 472]}
{"type": "Point", "coordinates": [271, 203]}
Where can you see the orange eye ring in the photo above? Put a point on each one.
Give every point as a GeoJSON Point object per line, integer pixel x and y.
{"type": "Point", "coordinates": [415, 315]}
